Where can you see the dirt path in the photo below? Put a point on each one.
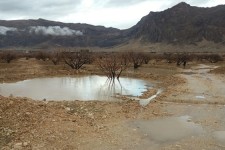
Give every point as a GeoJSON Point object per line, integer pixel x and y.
{"type": "Point", "coordinates": [196, 117]}
{"type": "Point", "coordinates": [202, 98]}
{"type": "Point", "coordinates": [201, 87]}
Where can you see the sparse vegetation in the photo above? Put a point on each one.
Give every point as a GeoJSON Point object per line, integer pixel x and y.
{"type": "Point", "coordinates": [8, 56]}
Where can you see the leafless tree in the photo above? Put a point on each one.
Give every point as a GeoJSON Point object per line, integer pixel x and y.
{"type": "Point", "coordinates": [113, 65]}
{"type": "Point", "coordinates": [146, 57]}
{"type": "Point", "coordinates": [136, 59]}
{"type": "Point", "coordinates": [75, 59]}
{"type": "Point", "coordinates": [8, 56]}
{"type": "Point", "coordinates": [55, 57]}
{"type": "Point", "coordinates": [182, 59]}
{"type": "Point", "coordinates": [42, 55]}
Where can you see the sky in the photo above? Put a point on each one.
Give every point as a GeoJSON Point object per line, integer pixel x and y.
{"type": "Point", "coordinates": [120, 14]}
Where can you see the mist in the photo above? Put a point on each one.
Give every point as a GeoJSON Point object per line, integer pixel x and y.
{"type": "Point", "coordinates": [4, 30]}
{"type": "Point", "coordinates": [54, 30]}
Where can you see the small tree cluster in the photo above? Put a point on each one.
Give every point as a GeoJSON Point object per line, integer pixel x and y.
{"type": "Point", "coordinates": [41, 55]}
{"type": "Point", "coordinates": [8, 56]}
{"type": "Point", "coordinates": [213, 58]}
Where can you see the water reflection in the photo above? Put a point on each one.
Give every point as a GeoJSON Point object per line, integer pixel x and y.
{"type": "Point", "coordinates": [79, 88]}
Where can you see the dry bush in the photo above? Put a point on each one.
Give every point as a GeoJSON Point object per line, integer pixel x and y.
{"type": "Point", "coordinates": [213, 58]}
{"type": "Point", "coordinates": [170, 57]}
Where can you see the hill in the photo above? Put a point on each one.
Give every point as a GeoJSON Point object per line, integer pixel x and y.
{"type": "Point", "coordinates": [181, 24]}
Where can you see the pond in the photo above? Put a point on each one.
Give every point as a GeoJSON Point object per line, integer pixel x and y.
{"type": "Point", "coordinates": [75, 88]}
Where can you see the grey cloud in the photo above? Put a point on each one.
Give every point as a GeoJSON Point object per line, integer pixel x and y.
{"type": "Point", "coordinates": [4, 30]}
{"type": "Point", "coordinates": [37, 9]}
{"type": "Point", "coordinates": [54, 30]}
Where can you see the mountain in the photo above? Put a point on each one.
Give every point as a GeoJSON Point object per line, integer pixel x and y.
{"type": "Point", "coordinates": [181, 24]}
{"type": "Point", "coordinates": [29, 33]}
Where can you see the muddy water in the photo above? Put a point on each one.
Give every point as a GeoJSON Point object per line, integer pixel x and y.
{"type": "Point", "coordinates": [167, 130]}
{"type": "Point", "coordinates": [79, 88]}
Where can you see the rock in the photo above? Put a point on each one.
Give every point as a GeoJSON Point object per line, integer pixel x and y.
{"type": "Point", "coordinates": [67, 109]}
{"type": "Point", "coordinates": [154, 113]}
{"type": "Point", "coordinates": [90, 115]}
{"type": "Point", "coordinates": [18, 146]}
{"type": "Point", "coordinates": [25, 144]}
{"type": "Point", "coordinates": [27, 113]}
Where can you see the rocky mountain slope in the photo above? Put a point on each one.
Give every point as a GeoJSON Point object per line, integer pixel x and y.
{"type": "Point", "coordinates": [180, 24]}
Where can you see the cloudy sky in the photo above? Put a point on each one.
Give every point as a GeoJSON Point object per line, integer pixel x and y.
{"type": "Point", "coordinates": [110, 13]}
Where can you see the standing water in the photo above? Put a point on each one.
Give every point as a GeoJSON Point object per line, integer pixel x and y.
{"type": "Point", "coordinates": [77, 88]}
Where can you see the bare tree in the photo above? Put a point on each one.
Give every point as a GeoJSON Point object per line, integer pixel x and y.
{"type": "Point", "coordinates": [146, 57]}
{"type": "Point", "coordinates": [8, 56]}
{"type": "Point", "coordinates": [55, 57]}
{"type": "Point", "coordinates": [182, 59]}
{"type": "Point", "coordinates": [169, 57]}
{"type": "Point", "coordinates": [136, 59]}
{"type": "Point", "coordinates": [42, 55]}
{"type": "Point", "coordinates": [113, 65]}
{"type": "Point", "coordinates": [75, 59]}
{"type": "Point", "coordinates": [214, 58]}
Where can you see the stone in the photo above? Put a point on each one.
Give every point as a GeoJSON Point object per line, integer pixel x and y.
{"type": "Point", "coordinates": [18, 146]}
{"type": "Point", "coordinates": [25, 144]}
{"type": "Point", "coordinates": [67, 109]}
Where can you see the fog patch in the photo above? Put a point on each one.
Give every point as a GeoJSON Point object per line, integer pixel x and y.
{"type": "Point", "coordinates": [54, 30]}
{"type": "Point", "coordinates": [4, 30]}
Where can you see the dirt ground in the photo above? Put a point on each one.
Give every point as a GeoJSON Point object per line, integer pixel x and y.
{"type": "Point", "coordinates": [195, 93]}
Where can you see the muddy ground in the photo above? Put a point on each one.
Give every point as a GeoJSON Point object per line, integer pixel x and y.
{"type": "Point", "coordinates": [188, 114]}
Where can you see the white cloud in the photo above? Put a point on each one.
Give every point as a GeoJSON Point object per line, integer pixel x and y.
{"type": "Point", "coordinates": [4, 30]}
{"type": "Point", "coordinates": [54, 30]}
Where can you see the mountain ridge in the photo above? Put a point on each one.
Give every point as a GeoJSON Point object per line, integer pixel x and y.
{"type": "Point", "coordinates": [180, 24]}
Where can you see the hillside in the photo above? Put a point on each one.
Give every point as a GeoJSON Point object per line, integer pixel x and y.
{"type": "Point", "coordinates": [181, 24]}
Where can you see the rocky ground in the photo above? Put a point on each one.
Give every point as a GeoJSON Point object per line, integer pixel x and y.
{"type": "Point", "coordinates": [188, 114]}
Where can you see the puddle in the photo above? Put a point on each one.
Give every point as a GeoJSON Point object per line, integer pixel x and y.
{"type": "Point", "coordinates": [167, 130]}
{"type": "Point", "coordinates": [220, 137]}
{"type": "Point", "coordinates": [79, 88]}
